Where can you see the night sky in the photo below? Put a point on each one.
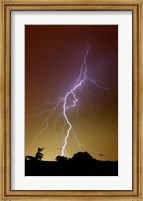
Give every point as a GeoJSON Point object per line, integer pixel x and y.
{"type": "Point", "coordinates": [53, 57]}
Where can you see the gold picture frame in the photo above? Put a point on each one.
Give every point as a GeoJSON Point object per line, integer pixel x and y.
{"type": "Point", "coordinates": [6, 6]}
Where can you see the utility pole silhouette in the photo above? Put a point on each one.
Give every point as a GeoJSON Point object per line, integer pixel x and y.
{"type": "Point", "coordinates": [101, 155]}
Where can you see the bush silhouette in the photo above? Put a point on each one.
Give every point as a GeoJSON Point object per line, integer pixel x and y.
{"type": "Point", "coordinates": [82, 156]}
{"type": "Point", "coordinates": [61, 158]}
{"type": "Point", "coordinates": [30, 158]}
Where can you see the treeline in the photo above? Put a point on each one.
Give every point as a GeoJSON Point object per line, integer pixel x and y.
{"type": "Point", "coordinates": [81, 164]}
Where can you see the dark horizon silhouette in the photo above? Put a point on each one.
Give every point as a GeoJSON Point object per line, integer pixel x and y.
{"type": "Point", "coordinates": [80, 164]}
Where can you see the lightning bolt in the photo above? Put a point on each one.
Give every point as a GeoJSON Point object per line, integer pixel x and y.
{"type": "Point", "coordinates": [66, 106]}
{"type": "Point", "coordinates": [82, 77]}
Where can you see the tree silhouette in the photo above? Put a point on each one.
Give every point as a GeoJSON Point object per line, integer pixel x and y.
{"type": "Point", "coordinates": [39, 155]}
{"type": "Point", "coordinates": [61, 158]}
{"type": "Point", "coordinates": [82, 156]}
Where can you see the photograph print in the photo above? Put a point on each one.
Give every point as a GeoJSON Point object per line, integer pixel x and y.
{"type": "Point", "coordinates": [71, 100]}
